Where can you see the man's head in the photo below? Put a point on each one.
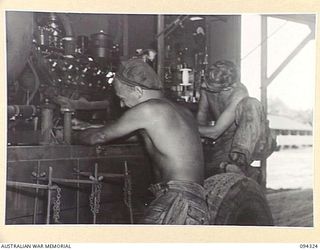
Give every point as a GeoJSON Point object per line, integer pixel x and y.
{"type": "Point", "coordinates": [221, 75]}
{"type": "Point", "coordinates": [133, 79]}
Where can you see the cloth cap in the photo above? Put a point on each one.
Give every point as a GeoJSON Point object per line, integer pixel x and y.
{"type": "Point", "coordinates": [136, 72]}
{"type": "Point", "coordinates": [222, 72]}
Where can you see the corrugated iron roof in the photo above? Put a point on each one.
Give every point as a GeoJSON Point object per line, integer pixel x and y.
{"type": "Point", "coordinates": [286, 123]}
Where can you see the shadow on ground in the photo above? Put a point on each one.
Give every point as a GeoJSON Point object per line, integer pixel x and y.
{"type": "Point", "coordinates": [291, 207]}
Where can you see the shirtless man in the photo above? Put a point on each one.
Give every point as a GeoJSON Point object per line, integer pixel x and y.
{"type": "Point", "coordinates": [238, 120]}
{"type": "Point", "coordinates": [172, 140]}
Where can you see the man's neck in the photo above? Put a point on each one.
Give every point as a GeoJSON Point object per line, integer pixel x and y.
{"type": "Point", "coordinates": [151, 94]}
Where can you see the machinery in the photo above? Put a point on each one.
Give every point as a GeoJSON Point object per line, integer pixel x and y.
{"type": "Point", "coordinates": [55, 181]}
{"type": "Point", "coordinates": [61, 64]}
{"type": "Point", "coordinates": [46, 61]}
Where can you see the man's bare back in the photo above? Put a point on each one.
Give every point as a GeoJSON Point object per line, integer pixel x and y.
{"type": "Point", "coordinates": [173, 141]}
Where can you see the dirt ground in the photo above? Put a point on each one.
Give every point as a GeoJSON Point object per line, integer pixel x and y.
{"type": "Point", "coordinates": [291, 207]}
{"type": "Point", "coordinates": [290, 185]}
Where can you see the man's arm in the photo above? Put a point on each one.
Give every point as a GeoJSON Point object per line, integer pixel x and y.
{"type": "Point", "coordinates": [203, 109]}
{"type": "Point", "coordinates": [225, 120]}
{"type": "Point", "coordinates": [81, 103]}
{"type": "Point", "coordinates": [132, 120]}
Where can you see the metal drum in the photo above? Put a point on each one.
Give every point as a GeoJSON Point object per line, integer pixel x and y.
{"type": "Point", "coordinates": [101, 45]}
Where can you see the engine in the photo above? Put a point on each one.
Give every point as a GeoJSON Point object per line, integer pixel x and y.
{"type": "Point", "coordinates": [61, 65]}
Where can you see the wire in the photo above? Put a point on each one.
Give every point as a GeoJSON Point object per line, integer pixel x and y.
{"type": "Point", "coordinates": [264, 40]}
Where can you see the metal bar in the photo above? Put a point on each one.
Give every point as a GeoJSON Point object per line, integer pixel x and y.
{"type": "Point", "coordinates": [301, 45]}
{"type": "Point", "coordinates": [49, 196]}
{"type": "Point", "coordinates": [78, 194]}
{"type": "Point", "coordinates": [94, 188]}
{"type": "Point", "coordinates": [264, 94]}
{"type": "Point", "coordinates": [172, 26]}
{"type": "Point", "coordinates": [106, 175]}
{"type": "Point", "coordinates": [35, 204]}
{"type": "Point", "coordinates": [28, 185]}
{"type": "Point", "coordinates": [62, 180]}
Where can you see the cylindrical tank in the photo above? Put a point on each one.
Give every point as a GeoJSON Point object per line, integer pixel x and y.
{"type": "Point", "coordinates": [101, 45]}
{"type": "Point", "coordinates": [19, 30]}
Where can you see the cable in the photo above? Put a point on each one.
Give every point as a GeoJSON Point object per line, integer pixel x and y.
{"type": "Point", "coordinates": [264, 40]}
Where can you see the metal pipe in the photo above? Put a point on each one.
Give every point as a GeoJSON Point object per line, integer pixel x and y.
{"type": "Point", "coordinates": [46, 123]}
{"type": "Point", "coordinates": [23, 111]}
{"type": "Point", "coordinates": [66, 24]}
{"type": "Point", "coordinates": [49, 196]}
{"type": "Point", "coordinates": [67, 127]}
{"type": "Point", "coordinates": [95, 188]}
{"type": "Point", "coordinates": [78, 193]}
{"type": "Point", "coordinates": [105, 175]}
{"type": "Point", "coordinates": [29, 185]}
{"type": "Point", "coordinates": [35, 204]}
{"type": "Point", "coordinates": [62, 180]}
{"type": "Point", "coordinates": [67, 124]}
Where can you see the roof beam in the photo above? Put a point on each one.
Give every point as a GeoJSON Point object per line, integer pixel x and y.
{"type": "Point", "coordinates": [301, 45]}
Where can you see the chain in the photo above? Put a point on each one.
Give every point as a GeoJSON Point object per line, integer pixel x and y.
{"type": "Point", "coordinates": [127, 189]}
{"type": "Point", "coordinates": [127, 192]}
{"type": "Point", "coordinates": [94, 198]}
{"type": "Point", "coordinates": [56, 205]}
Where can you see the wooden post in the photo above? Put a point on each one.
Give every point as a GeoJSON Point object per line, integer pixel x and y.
{"type": "Point", "coordinates": [264, 94]}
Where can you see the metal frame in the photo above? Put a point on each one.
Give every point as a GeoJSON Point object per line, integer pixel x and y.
{"type": "Point", "coordinates": [265, 80]}
{"type": "Point", "coordinates": [93, 180]}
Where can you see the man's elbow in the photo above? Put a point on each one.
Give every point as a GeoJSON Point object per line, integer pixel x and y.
{"type": "Point", "coordinates": [201, 120]}
{"type": "Point", "coordinates": [212, 136]}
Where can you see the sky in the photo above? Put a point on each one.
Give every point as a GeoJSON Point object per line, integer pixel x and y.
{"type": "Point", "coordinates": [295, 85]}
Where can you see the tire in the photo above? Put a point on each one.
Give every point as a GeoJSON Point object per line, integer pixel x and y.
{"type": "Point", "coordinates": [234, 199]}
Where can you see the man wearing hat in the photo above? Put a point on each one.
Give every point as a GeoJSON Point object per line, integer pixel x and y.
{"type": "Point", "coordinates": [172, 141]}
{"type": "Point", "coordinates": [238, 120]}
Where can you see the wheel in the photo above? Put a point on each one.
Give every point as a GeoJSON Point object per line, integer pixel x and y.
{"type": "Point", "coordinates": [234, 199]}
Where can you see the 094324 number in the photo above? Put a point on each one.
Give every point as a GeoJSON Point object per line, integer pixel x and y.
{"type": "Point", "coordinates": [308, 246]}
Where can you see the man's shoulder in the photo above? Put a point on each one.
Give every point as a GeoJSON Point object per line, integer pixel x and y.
{"type": "Point", "coordinates": [151, 106]}
{"type": "Point", "coordinates": [239, 89]}
{"type": "Point", "coordinates": [156, 103]}
{"type": "Point", "coordinates": [239, 92]}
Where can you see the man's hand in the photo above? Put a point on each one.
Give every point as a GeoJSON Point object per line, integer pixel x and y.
{"type": "Point", "coordinates": [226, 167]}
{"type": "Point", "coordinates": [82, 125]}
{"type": "Point", "coordinates": [210, 132]}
